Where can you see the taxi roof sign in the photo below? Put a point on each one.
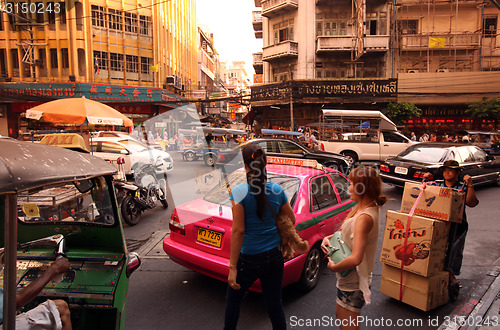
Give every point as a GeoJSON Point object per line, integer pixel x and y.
{"type": "Point", "coordinates": [71, 141]}
{"type": "Point", "coordinates": [294, 161]}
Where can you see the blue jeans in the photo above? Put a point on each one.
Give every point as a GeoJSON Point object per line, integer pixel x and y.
{"type": "Point", "coordinates": [268, 267]}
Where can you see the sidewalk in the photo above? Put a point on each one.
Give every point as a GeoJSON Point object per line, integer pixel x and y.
{"type": "Point", "coordinates": [482, 310]}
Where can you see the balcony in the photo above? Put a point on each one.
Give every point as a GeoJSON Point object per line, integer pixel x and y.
{"type": "Point", "coordinates": [440, 41]}
{"type": "Point", "coordinates": [282, 50]}
{"type": "Point", "coordinates": [334, 44]}
{"type": "Point", "coordinates": [272, 8]}
{"type": "Point", "coordinates": [257, 3]}
{"type": "Point", "coordinates": [257, 20]}
{"type": "Point", "coordinates": [258, 64]}
{"type": "Point", "coordinates": [258, 34]}
{"type": "Point", "coordinates": [377, 43]}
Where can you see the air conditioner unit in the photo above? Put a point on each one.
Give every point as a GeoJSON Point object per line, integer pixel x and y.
{"type": "Point", "coordinates": [442, 70]}
{"type": "Point", "coordinates": [171, 80]}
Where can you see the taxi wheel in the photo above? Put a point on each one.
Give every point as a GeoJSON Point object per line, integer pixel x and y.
{"type": "Point", "coordinates": [209, 160]}
{"type": "Point", "coordinates": [310, 273]}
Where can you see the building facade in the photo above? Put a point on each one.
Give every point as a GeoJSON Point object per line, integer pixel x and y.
{"type": "Point", "coordinates": [107, 50]}
{"type": "Point", "coordinates": [360, 54]}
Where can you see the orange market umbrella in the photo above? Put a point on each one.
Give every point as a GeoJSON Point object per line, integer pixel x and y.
{"type": "Point", "coordinates": [78, 111]}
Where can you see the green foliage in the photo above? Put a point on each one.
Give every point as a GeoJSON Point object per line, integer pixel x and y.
{"type": "Point", "coordinates": [399, 112]}
{"type": "Point", "coordinates": [486, 109]}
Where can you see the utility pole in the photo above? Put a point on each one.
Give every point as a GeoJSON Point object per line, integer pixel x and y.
{"type": "Point", "coordinates": [292, 122]}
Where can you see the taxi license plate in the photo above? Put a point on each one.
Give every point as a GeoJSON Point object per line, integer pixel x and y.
{"type": "Point", "coordinates": [209, 237]}
{"type": "Point", "coordinates": [401, 170]}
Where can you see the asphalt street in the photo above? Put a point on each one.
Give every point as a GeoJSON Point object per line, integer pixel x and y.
{"type": "Point", "coordinates": [164, 295]}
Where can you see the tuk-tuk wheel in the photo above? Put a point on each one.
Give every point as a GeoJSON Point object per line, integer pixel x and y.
{"type": "Point", "coordinates": [209, 160]}
{"type": "Point", "coordinates": [189, 156]}
{"type": "Point", "coordinates": [453, 290]}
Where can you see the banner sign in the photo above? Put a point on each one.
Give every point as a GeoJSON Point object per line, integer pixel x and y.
{"type": "Point", "coordinates": [326, 88]}
{"type": "Point", "coordinates": [96, 92]}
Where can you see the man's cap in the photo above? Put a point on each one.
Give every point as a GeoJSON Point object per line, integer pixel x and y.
{"type": "Point", "coordinates": [453, 164]}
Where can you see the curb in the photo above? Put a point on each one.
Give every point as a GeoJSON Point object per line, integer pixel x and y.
{"type": "Point", "coordinates": [154, 247]}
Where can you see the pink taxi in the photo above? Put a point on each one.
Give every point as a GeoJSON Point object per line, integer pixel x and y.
{"type": "Point", "coordinates": [200, 230]}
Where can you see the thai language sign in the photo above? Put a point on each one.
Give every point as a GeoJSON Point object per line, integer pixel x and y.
{"type": "Point", "coordinates": [326, 88]}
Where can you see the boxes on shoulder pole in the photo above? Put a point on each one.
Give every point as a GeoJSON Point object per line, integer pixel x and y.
{"type": "Point", "coordinates": [424, 293]}
{"type": "Point", "coordinates": [439, 203]}
{"type": "Point", "coordinates": [426, 246]}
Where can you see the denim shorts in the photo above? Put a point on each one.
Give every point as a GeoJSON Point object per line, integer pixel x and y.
{"type": "Point", "coordinates": [351, 300]}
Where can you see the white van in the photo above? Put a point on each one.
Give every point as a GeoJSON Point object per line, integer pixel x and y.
{"type": "Point", "coordinates": [360, 135]}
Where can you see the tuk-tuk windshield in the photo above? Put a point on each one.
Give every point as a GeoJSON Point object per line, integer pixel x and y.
{"type": "Point", "coordinates": [64, 202]}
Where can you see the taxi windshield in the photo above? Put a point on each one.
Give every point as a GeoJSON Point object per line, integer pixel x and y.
{"type": "Point", "coordinates": [220, 193]}
{"type": "Point", "coordinates": [67, 202]}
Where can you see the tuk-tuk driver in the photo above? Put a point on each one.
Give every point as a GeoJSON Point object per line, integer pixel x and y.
{"type": "Point", "coordinates": [51, 314]}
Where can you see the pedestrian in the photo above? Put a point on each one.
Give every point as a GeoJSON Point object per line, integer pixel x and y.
{"type": "Point", "coordinates": [466, 138]}
{"type": "Point", "coordinates": [313, 141]}
{"type": "Point", "coordinates": [255, 240]}
{"type": "Point", "coordinates": [433, 137]}
{"type": "Point", "coordinates": [360, 232]}
{"type": "Point", "coordinates": [424, 138]}
{"type": "Point", "coordinates": [413, 137]}
{"type": "Point", "coordinates": [451, 171]}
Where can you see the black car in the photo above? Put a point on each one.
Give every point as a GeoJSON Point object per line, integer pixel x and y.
{"type": "Point", "coordinates": [285, 148]}
{"type": "Point", "coordinates": [411, 164]}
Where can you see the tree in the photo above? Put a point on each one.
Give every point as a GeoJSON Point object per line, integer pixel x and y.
{"type": "Point", "coordinates": [399, 112]}
{"type": "Point", "coordinates": [486, 109]}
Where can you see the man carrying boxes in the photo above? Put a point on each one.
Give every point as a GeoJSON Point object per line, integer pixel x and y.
{"type": "Point", "coordinates": [419, 244]}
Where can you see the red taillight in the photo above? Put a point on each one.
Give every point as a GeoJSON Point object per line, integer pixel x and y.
{"type": "Point", "coordinates": [420, 175]}
{"type": "Point", "coordinates": [175, 224]}
{"type": "Point", "coordinates": [384, 168]}
{"type": "Point", "coordinates": [322, 147]}
{"type": "Point", "coordinates": [120, 160]}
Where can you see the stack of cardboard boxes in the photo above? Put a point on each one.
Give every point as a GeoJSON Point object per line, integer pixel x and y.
{"type": "Point", "coordinates": [424, 282]}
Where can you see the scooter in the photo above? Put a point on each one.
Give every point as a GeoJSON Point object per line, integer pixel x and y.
{"type": "Point", "coordinates": [141, 195]}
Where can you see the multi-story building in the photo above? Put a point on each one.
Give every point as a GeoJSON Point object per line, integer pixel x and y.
{"type": "Point", "coordinates": [362, 54]}
{"type": "Point", "coordinates": [135, 55]}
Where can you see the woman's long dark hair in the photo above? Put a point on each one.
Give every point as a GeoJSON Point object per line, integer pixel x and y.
{"type": "Point", "coordinates": [255, 158]}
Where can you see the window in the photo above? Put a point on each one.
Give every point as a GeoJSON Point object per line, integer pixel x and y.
{"type": "Point", "coordinates": [12, 18]}
{"type": "Point", "coordinates": [331, 24]}
{"type": "Point", "coordinates": [408, 26]}
{"type": "Point", "coordinates": [64, 58]}
{"type": "Point", "coordinates": [115, 61]}
{"type": "Point", "coordinates": [39, 13]}
{"type": "Point", "coordinates": [112, 147]}
{"type": "Point", "coordinates": [102, 59]}
{"type": "Point", "coordinates": [3, 62]}
{"type": "Point", "coordinates": [376, 23]}
{"type": "Point", "coordinates": [283, 31]}
{"type": "Point", "coordinates": [53, 58]}
{"type": "Point", "coordinates": [98, 16]}
{"type": "Point", "coordinates": [130, 22]}
{"type": "Point", "coordinates": [289, 148]}
{"type": "Point", "coordinates": [342, 186]}
{"type": "Point", "coordinates": [51, 13]}
{"type": "Point", "coordinates": [145, 26]}
{"type": "Point", "coordinates": [323, 194]}
{"type": "Point", "coordinates": [115, 19]}
{"type": "Point", "coordinates": [15, 58]}
{"type": "Point", "coordinates": [393, 137]}
{"type": "Point", "coordinates": [62, 13]}
{"type": "Point", "coordinates": [465, 155]}
{"type": "Point", "coordinates": [490, 27]}
{"type": "Point", "coordinates": [478, 154]}
{"type": "Point", "coordinates": [146, 62]}
{"type": "Point", "coordinates": [132, 63]}
{"type": "Point", "coordinates": [268, 146]}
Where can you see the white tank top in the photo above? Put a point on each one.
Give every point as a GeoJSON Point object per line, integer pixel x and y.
{"type": "Point", "coordinates": [362, 277]}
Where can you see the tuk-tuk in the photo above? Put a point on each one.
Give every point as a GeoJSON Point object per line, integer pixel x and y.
{"type": "Point", "coordinates": [55, 201]}
{"type": "Point", "coordinates": [200, 149]}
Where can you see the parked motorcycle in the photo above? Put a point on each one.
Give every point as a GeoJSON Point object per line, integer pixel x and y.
{"type": "Point", "coordinates": [143, 194]}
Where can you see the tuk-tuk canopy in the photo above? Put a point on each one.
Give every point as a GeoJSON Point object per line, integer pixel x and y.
{"type": "Point", "coordinates": [25, 165]}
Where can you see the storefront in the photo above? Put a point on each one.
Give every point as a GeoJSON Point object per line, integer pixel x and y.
{"type": "Point", "coordinates": [138, 103]}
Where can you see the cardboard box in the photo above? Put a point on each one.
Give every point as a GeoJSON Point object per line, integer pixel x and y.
{"type": "Point", "coordinates": [426, 246]}
{"type": "Point", "coordinates": [436, 202]}
{"type": "Point", "coordinates": [424, 293]}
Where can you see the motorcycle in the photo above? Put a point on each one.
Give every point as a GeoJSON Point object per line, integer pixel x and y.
{"type": "Point", "coordinates": [143, 194]}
